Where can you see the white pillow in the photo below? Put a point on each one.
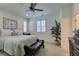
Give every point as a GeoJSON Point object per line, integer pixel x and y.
{"type": "Point", "coordinates": [6, 32]}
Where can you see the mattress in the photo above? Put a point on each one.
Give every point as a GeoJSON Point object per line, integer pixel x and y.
{"type": "Point", "coordinates": [14, 45]}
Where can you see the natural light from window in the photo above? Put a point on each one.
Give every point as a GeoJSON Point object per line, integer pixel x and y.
{"type": "Point", "coordinates": [41, 26]}
{"type": "Point", "coordinates": [25, 26]}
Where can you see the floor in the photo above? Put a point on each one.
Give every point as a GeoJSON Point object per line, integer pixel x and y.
{"type": "Point", "coordinates": [51, 49]}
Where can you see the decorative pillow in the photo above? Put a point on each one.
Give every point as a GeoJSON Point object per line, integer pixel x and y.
{"type": "Point", "coordinates": [14, 33]}
{"type": "Point", "coordinates": [19, 32]}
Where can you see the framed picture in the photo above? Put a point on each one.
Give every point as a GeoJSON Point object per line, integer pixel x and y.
{"type": "Point", "coordinates": [9, 23]}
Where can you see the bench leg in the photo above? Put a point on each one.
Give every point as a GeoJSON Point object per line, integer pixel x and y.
{"type": "Point", "coordinates": [43, 46]}
{"type": "Point", "coordinates": [43, 43]}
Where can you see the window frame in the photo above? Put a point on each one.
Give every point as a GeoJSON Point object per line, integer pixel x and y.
{"type": "Point", "coordinates": [41, 26]}
{"type": "Point", "coordinates": [25, 29]}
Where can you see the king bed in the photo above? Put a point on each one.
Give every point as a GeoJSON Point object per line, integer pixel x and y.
{"type": "Point", "coordinates": [14, 45]}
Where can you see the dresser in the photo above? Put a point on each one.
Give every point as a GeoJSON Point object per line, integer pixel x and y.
{"type": "Point", "coordinates": [74, 48]}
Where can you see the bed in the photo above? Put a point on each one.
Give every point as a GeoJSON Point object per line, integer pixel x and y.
{"type": "Point", "coordinates": [14, 45]}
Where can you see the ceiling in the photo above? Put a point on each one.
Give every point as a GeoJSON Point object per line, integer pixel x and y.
{"type": "Point", "coordinates": [22, 9]}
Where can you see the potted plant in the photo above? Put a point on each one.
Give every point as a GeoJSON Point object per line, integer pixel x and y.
{"type": "Point", "coordinates": [56, 32]}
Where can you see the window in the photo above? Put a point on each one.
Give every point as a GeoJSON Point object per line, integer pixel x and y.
{"type": "Point", "coordinates": [25, 26]}
{"type": "Point", "coordinates": [41, 26]}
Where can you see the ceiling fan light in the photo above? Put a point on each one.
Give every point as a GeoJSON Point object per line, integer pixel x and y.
{"type": "Point", "coordinates": [31, 14]}
{"type": "Point", "coordinates": [27, 15]}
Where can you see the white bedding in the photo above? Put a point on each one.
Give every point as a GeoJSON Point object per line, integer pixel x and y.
{"type": "Point", "coordinates": [14, 45]}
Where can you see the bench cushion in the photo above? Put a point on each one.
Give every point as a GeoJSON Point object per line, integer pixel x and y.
{"type": "Point", "coordinates": [36, 45]}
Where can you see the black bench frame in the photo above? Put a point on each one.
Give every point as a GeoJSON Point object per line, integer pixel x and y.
{"type": "Point", "coordinates": [31, 50]}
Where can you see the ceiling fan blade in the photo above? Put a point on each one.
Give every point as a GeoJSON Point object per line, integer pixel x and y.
{"type": "Point", "coordinates": [38, 9]}
{"type": "Point", "coordinates": [33, 5]}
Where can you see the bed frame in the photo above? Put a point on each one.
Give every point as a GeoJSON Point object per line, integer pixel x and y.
{"type": "Point", "coordinates": [33, 48]}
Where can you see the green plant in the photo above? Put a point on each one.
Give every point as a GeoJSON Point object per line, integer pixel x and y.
{"type": "Point", "coordinates": [56, 32]}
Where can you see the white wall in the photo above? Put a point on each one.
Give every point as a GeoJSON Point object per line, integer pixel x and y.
{"type": "Point", "coordinates": [75, 15]}
{"type": "Point", "coordinates": [49, 24]}
{"type": "Point", "coordinates": [66, 27]}
{"type": "Point", "coordinates": [68, 14]}
{"type": "Point", "coordinates": [13, 16]}
{"type": "Point", "coordinates": [75, 8]}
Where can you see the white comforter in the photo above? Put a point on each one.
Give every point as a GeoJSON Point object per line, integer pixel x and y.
{"type": "Point", "coordinates": [14, 45]}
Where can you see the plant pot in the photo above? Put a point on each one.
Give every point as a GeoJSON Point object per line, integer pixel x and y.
{"type": "Point", "coordinates": [58, 42]}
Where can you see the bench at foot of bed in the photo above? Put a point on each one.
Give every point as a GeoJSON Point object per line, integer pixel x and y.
{"type": "Point", "coordinates": [32, 49]}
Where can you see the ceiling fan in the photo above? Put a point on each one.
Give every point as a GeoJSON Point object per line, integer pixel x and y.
{"type": "Point", "coordinates": [32, 10]}
{"type": "Point", "coordinates": [32, 7]}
